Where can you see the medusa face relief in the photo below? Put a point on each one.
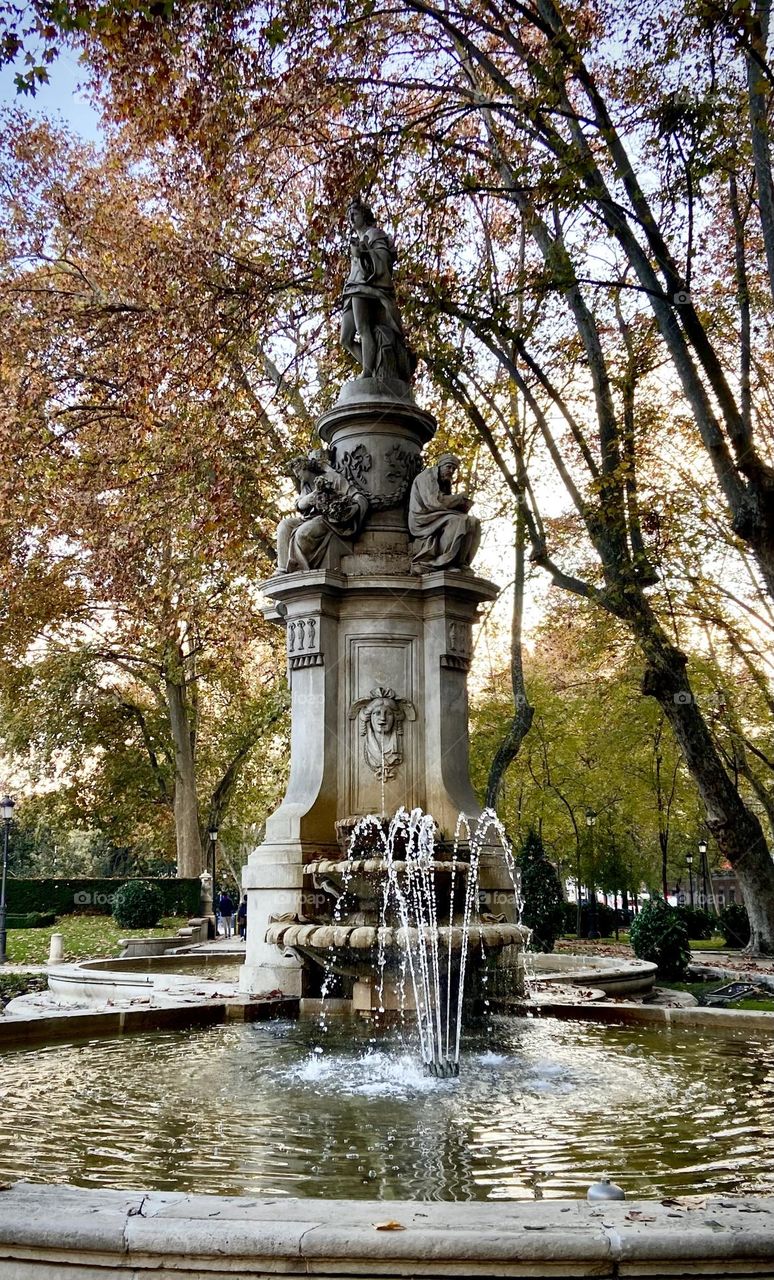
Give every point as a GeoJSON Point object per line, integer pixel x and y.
{"type": "Point", "coordinates": [382, 716]}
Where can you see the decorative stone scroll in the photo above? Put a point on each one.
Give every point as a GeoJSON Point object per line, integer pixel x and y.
{"type": "Point", "coordinates": [459, 645]}
{"type": "Point", "coordinates": [303, 643]}
{"type": "Point", "coordinates": [382, 715]}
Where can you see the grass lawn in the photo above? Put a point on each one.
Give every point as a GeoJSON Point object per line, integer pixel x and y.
{"type": "Point", "coordinates": [85, 938]}
{"type": "Point", "coordinates": [716, 943]}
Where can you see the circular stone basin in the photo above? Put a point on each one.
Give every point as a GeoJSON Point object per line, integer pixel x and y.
{"type": "Point", "coordinates": [541, 1109]}
{"type": "Point", "coordinates": [615, 975]}
{"type": "Point", "coordinates": [144, 977]}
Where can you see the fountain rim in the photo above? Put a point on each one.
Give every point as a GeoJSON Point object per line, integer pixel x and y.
{"type": "Point", "coordinates": [69, 1230]}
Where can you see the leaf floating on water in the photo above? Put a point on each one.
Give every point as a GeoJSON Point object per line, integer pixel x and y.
{"type": "Point", "coordinates": [389, 1225]}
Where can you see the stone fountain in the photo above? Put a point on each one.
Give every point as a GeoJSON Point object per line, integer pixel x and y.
{"type": "Point", "coordinates": [376, 594]}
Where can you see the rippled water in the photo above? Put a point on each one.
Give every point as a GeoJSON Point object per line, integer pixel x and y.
{"type": "Point", "coordinates": [254, 1109]}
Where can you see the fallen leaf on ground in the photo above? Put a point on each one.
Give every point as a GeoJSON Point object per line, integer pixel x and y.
{"type": "Point", "coordinates": [389, 1225]}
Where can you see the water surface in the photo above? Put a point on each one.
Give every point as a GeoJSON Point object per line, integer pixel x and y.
{"type": "Point", "coordinates": [541, 1110]}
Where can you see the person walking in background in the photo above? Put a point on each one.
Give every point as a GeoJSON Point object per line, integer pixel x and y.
{"type": "Point", "coordinates": [242, 918]}
{"type": "Point", "coordinates": [226, 910]}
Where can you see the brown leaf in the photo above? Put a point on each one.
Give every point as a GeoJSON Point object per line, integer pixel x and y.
{"type": "Point", "coordinates": [389, 1225]}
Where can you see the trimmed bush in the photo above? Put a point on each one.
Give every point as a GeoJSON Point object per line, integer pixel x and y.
{"type": "Point", "coordinates": [735, 925]}
{"type": "Point", "coordinates": [659, 934]}
{"type": "Point", "coordinates": [139, 904]}
{"type": "Point", "coordinates": [79, 896]}
{"type": "Point", "coordinates": [541, 890]}
{"type": "Point", "coordinates": [700, 924]}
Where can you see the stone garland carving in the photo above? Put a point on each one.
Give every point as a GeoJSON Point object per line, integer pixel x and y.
{"type": "Point", "coordinates": [382, 715]}
{"type": "Point", "coordinates": [355, 464]}
{"type": "Point", "coordinates": [402, 469]}
{"type": "Point", "coordinates": [303, 643]}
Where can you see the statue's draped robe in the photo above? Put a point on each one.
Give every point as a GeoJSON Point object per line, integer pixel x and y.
{"type": "Point", "coordinates": [370, 277]}
{"type": "Point", "coordinates": [445, 536]}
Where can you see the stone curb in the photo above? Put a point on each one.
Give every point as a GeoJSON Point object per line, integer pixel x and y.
{"type": "Point", "coordinates": [60, 1231]}
{"type": "Point", "coordinates": [76, 1024]}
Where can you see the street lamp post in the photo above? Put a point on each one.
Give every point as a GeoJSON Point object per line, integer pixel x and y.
{"type": "Point", "coordinates": [705, 875]}
{"type": "Point", "coordinates": [689, 864]}
{"type": "Point", "coordinates": [7, 807]}
{"type": "Point", "coordinates": [591, 818]}
{"type": "Point", "coordinates": [213, 834]}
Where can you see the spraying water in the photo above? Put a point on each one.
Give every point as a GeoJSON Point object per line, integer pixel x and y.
{"type": "Point", "coordinates": [433, 936]}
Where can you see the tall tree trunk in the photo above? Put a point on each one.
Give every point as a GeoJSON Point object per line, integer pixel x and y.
{"type": "Point", "coordinates": [736, 829]}
{"type": "Point", "coordinates": [190, 853]}
{"type": "Point", "coordinates": [523, 713]}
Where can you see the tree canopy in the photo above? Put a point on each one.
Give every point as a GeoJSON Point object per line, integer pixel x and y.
{"type": "Point", "coordinates": [584, 203]}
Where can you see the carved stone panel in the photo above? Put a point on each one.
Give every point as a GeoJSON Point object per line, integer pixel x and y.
{"type": "Point", "coordinates": [303, 643]}
{"type": "Point", "coordinates": [459, 645]}
{"type": "Point", "coordinates": [386, 480]}
{"type": "Point", "coordinates": [382, 744]}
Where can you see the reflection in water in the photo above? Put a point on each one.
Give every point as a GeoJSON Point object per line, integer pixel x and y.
{"type": "Point", "coordinates": [542, 1111]}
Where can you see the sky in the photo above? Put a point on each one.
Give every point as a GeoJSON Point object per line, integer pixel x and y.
{"type": "Point", "coordinates": [60, 98]}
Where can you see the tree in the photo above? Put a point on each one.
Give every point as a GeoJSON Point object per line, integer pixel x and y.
{"type": "Point", "coordinates": [543, 910]}
{"type": "Point", "coordinates": [595, 743]}
{"type": "Point", "coordinates": [139, 494]}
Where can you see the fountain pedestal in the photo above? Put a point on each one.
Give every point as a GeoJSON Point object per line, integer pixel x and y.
{"type": "Point", "coordinates": [377, 664]}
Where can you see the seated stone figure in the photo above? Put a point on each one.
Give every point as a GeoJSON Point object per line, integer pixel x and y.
{"type": "Point", "coordinates": [328, 505]}
{"type": "Point", "coordinates": [445, 535]}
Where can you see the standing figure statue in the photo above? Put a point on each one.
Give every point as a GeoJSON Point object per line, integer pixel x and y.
{"type": "Point", "coordinates": [371, 327]}
{"type": "Point", "coordinates": [327, 505]}
{"type": "Point", "coordinates": [445, 535]}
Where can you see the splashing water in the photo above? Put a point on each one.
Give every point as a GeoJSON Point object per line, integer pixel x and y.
{"type": "Point", "coordinates": [433, 960]}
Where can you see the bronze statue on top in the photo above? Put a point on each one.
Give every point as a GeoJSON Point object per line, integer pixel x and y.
{"type": "Point", "coordinates": [371, 327]}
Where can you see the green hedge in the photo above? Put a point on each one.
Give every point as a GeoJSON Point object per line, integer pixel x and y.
{"type": "Point", "coordinates": [33, 920]}
{"type": "Point", "coordinates": [68, 897]}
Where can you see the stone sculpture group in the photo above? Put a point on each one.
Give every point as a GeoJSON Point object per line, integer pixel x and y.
{"type": "Point", "coordinates": [332, 502]}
